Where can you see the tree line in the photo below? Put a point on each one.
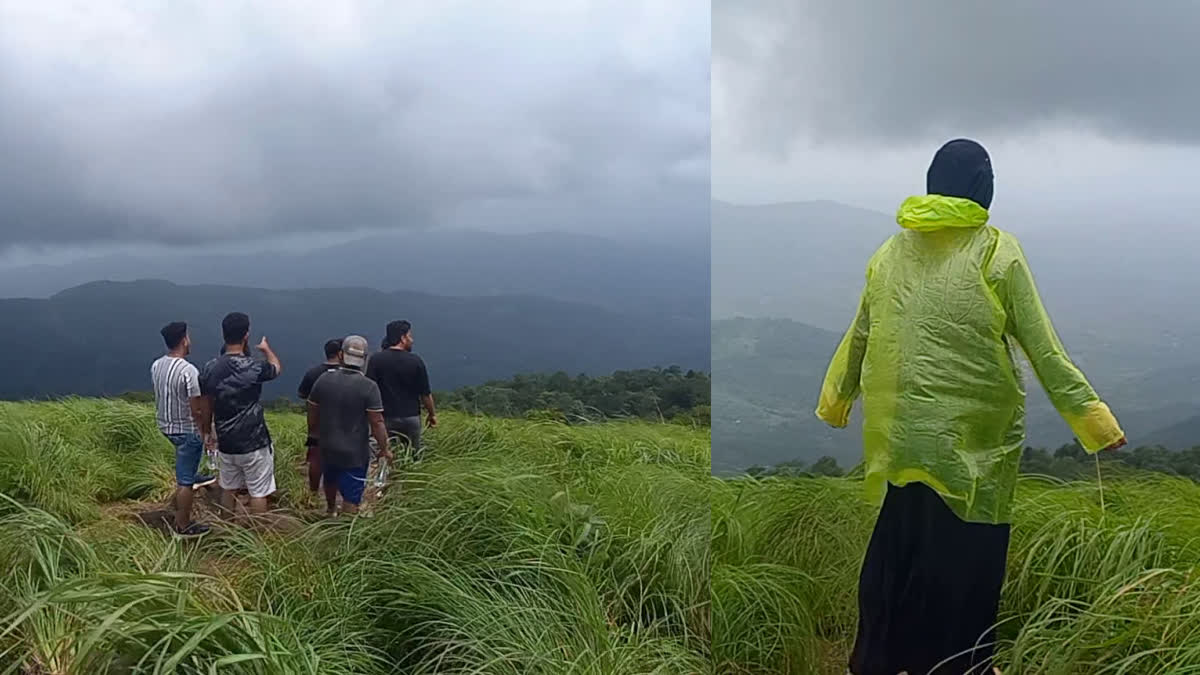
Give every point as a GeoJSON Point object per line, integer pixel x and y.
{"type": "Point", "coordinates": [1068, 462]}
{"type": "Point", "coordinates": [661, 394]}
{"type": "Point", "coordinates": [656, 394]}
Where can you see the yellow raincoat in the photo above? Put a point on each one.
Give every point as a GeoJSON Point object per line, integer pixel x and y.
{"type": "Point", "coordinates": [932, 351]}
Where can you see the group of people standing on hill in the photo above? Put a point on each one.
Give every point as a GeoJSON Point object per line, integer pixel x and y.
{"type": "Point", "coordinates": [352, 397]}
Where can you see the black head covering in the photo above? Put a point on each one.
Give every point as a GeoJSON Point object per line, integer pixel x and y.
{"type": "Point", "coordinates": [961, 168]}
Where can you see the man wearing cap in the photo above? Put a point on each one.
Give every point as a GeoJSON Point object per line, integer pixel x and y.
{"type": "Point", "coordinates": [344, 411]}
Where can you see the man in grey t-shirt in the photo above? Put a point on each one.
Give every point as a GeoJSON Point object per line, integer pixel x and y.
{"type": "Point", "coordinates": [344, 411]}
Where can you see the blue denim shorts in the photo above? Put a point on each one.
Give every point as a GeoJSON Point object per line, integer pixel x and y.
{"type": "Point", "coordinates": [189, 448]}
{"type": "Point", "coordinates": [350, 482]}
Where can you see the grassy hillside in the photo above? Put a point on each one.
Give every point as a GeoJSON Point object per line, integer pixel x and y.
{"type": "Point", "coordinates": [517, 547]}
{"type": "Point", "coordinates": [1093, 586]}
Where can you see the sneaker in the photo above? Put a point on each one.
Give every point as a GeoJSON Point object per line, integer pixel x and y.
{"type": "Point", "coordinates": [203, 481]}
{"type": "Point", "coordinates": [193, 530]}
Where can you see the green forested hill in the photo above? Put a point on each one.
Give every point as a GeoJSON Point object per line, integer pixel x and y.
{"type": "Point", "coordinates": [100, 338]}
{"type": "Point", "coordinates": [766, 377]}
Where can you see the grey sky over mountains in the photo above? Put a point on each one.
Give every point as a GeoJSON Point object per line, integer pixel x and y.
{"type": "Point", "coordinates": [1088, 107]}
{"type": "Point", "coordinates": [191, 122]}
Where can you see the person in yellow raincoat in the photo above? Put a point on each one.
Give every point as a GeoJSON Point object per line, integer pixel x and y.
{"type": "Point", "coordinates": [947, 302]}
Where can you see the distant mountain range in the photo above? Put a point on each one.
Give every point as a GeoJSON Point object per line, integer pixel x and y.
{"type": "Point", "coordinates": [797, 260]}
{"type": "Point", "coordinates": [624, 276]}
{"type": "Point", "coordinates": [1124, 325]}
{"type": "Point", "coordinates": [1117, 300]}
{"type": "Point", "coordinates": [99, 338]}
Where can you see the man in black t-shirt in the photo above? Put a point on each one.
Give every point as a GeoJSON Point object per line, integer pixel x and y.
{"type": "Point", "coordinates": [230, 388]}
{"type": "Point", "coordinates": [312, 456]}
{"type": "Point", "coordinates": [404, 386]}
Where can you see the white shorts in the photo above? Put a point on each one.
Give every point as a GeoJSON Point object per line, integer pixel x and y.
{"type": "Point", "coordinates": [254, 471]}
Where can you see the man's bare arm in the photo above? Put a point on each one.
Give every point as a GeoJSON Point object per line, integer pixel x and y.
{"type": "Point", "coordinates": [379, 431]}
{"type": "Point", "coordinates": [265, 348]}
{"type": "Point", "coordinates": [196, 404]}
{"type": "Point", "coordinates": [202, 406]}
{"type": "Point", "coordinates": [427, 401]}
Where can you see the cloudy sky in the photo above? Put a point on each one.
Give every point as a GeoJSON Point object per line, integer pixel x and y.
{"type": "Point", "coordinates": [1089, 108]}
{"type": "Point", "coordinates": [188, 122]}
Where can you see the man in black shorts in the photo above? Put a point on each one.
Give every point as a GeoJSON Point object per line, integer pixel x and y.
{"type": "Point", "coordinates": [404, 385]}
{"type": "Point", "coordinates": [312, 456]}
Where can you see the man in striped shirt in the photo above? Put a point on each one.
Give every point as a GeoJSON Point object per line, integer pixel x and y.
{"type": "Point", "coordinates": [177, 406]}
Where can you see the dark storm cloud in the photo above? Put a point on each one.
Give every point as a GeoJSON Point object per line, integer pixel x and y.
{"type": "Point", "coordinates": [855, 71]}
{"type": "Point", "coordinates": [201, 122]}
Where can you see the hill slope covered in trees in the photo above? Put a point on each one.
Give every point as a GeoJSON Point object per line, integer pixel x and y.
{"type": "Point", "coordinates": [100, 339]}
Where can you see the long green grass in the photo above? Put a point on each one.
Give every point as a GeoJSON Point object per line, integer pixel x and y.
{"type": "Point", "coordinates": [516, 547]}
{"type": "Point", "coordinates": [1093, 586]}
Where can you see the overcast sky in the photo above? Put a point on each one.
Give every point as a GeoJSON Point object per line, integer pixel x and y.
{"type": "Point", "coordinates": [1090, 108]}
{"type": "Point", "coordinates": [189, 121]}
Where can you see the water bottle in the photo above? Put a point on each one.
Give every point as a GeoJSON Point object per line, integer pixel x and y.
{"type": "Point", "coordinates": [382, 474]}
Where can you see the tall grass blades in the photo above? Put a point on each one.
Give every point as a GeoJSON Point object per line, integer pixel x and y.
{"type": "Point", "coordinates": [515, 547]}
{"type": "Point", "coordinates": [1088, 590]}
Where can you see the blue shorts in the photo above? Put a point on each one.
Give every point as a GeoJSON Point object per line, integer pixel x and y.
{"type": "Point", "coordinates": [188, 450]}
{"type": "Point", "coordinates": [350, 482]}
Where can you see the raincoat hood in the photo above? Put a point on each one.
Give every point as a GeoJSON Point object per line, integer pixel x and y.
{"type": "Point", "coordinates": [962, 168]}
{"type": "Point", "coordinates": [936, 212]}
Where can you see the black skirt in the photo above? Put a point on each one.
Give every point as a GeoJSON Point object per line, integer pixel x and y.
{"type": "Point", "coordinates": [929, 589]}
